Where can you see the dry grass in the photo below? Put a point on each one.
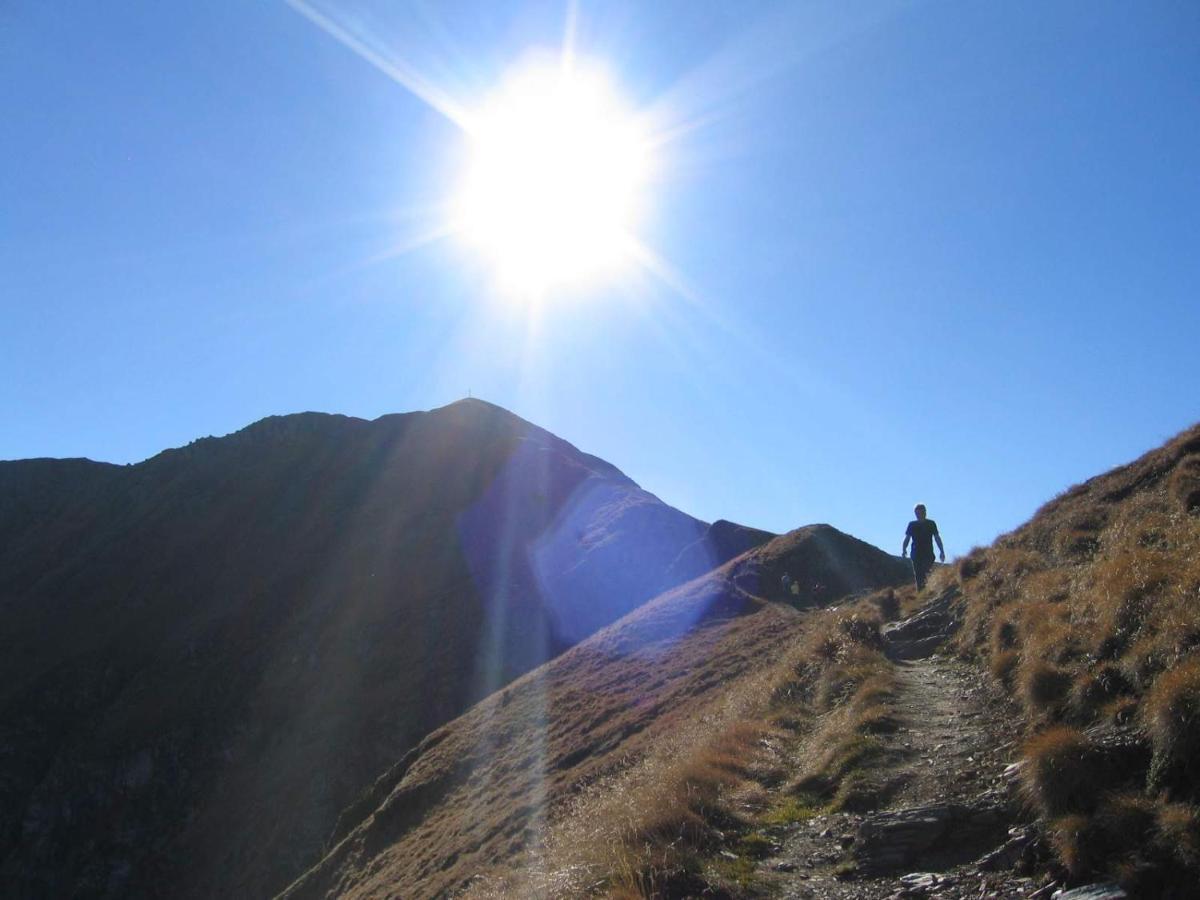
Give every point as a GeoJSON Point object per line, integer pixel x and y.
{"type": "Point", "coordinates": [1185, 483]}
{"type": "Point", "coordinates": [840, 681]}
{"type": "Point", "coordinates": [852, 687]}
{"type": "Point", "coordinates": [1062, 773]}
{"type": "Point", "coordinates": [687, 818]}
{"type": "Point", "coordinates": [1171, 715]}
{"type": "Point", "coordinates": [653, 826]}
{"type": "Point", "coordinates": [1090, 613]}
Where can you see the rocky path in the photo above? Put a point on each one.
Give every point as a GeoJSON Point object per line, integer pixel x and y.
{"type": "Point", "coordinates": [947, 823]}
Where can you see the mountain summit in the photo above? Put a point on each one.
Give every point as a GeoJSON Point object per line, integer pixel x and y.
{"type": "Point", "coordinates": [211, 653]}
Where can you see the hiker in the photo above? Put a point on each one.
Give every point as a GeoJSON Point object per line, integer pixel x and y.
{"type": "Point", "coordinates": [786, 582]}
{"type": "Point", "coordinates": [922, 532]}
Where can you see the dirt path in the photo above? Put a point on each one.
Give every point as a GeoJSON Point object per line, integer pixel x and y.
{"type": "Point", "coordinates": [952, 735]}
{"type": "Point", "coordinates": [943, 799]}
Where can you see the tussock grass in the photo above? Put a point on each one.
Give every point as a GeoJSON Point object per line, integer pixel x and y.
{"type": "Point", "coordinates": [1090, 615]}
{"type": "Point", "coordinates": [1185, 483]}
{"type": "Point", "coordinates": [1044, 686]}
{"type": "Point", "coordinates": [1171, 716]}
{"type": "Point", "coordinates": [655, 826]}
{"type": "Point", "coordinates": [1062, 773]}
{"type": "Point", "coordinates": [852, 686]}
{"type": "Point", "coordinates": [692, 818]}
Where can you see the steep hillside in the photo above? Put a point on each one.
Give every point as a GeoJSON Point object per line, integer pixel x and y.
{"type": "Point", "coordinates": [209, 654]}
{"type": "Point", "coordinates": [480, 794]}
{"type": "Point", "coordinates": [1090, 616]}
{"type": "Point", "coordinates": [715, 742]}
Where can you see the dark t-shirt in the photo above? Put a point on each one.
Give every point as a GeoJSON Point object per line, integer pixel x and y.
{"type": "Point", "coordinates": [922, 531]}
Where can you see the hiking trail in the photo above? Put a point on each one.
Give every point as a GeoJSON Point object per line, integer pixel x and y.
{"type": "Point", "coordinates": [940, 816]}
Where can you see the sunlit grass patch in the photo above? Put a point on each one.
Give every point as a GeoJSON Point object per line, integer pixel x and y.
{"type": "Point", "coordinates": [791, 809]}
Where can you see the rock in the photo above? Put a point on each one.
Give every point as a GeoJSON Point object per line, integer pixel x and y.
{"type": "Point", "coordinates": [1007, 855]}
{"type": "Point", "coordinates": [919, 881]}
{"type": "Point", "coordinates": [1092, 892]}
{"type": "Point", "coordinates": [887, 841]}
{"type": "Point", "coordinates": [785, 866]}
{"type": "Point", "coordinates": [918, 636]}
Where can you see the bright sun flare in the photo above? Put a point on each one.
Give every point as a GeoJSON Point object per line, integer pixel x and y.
{"type": "Point", "coordinates": [555, 181]}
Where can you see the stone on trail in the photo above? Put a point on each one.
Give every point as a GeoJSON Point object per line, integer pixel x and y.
{"type": "Point", "coordinates": [919, 635]}
{"type": "Point", "coordinates": [1092, 892]}
{"type": "Point", "coordinates": [888, 840]}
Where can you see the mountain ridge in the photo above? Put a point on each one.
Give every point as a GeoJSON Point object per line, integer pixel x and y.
{"type": "Point", "coordinates": [252, 603]}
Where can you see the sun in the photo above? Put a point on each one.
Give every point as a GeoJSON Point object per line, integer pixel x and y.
{"type": "Point", "coordinates": [555, 180]}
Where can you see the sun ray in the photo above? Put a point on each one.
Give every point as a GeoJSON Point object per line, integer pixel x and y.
{"type": "Point", "coordinates": [570, 33]}
{"type": "Point", "coordinates": [400, 72]}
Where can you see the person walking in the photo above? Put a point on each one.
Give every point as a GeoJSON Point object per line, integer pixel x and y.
{"type": "Point", "coordinates": [922, 531]}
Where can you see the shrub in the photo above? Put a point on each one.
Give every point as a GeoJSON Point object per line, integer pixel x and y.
{"type": "Point", "coordinates": [1004, 636]}
{"type": "Point", "coordinates": [861, 629]}
{"type": "Point", "coordinates": [972, 565]}
{"type": "Point", "coordinates": [1171, 714]}
{"type": "Point", "coordinates": [888, 605]}
{"type": "Point", "coordinates": [1061, 772]}
{"type": "Point", "coordinates": [1071, 842]}
{"type": "Point", "coordinates": [1004, 667]}
{"type": "Point", "coordinates": [1107, 842]}
{"type": "Point", "coordinates": [1179, 833]}
{"type": "Point", "coordinates": [1094, 691]}
{"type": "Point", "coordinates": [1080, 536]}
{"type": "Point", "coordinates": [1185, 483]}
{"type": "Point", "coordinates": [1043, 686]}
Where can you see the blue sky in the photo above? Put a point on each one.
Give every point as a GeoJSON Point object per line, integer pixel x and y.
{"type": "Point", "coordinates": [923, 251]}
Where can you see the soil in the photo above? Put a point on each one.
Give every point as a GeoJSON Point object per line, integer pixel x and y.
{"type": "Point", "coordinates": [956, 736]}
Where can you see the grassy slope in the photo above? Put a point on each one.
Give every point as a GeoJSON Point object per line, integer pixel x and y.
{"type": "Point", "coordinates": [1090, 614]}
{"type": "Point", "coordinates": [627, 723]}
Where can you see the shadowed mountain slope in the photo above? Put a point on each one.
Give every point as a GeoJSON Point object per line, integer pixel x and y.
{"type": "Point", "coordinates": [211, 653]}
{"type": "Point", "coordinates": [475, 794]}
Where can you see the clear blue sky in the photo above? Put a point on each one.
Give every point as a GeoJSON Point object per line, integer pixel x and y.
{"type": "Point", "coordinates": [943, 251]}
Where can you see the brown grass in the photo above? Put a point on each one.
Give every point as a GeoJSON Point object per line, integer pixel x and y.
{"type": "Point", "coordinates": [887, 603]}
{"type": "Point", "coordinates": [1185, 483]}
{"type": "Point", "coordinates": [1004, 667]}
{"type": "Point", "coordinates": [1061, 773]}
{"type": "Point", "coordinates": [1044, 686]}
{"type": "Point", "coordinates": [853, 686]}
{"type": "Point", "coordinates": [1090, 614]}
{"type": "Point", "coordinates": [1093, 692]}
{"type": "Point", "coordinates": [668, 825]}
{"type": "Point", "coordinates": [1171, 714]}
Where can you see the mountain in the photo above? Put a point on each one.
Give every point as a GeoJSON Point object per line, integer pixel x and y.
{"type": "Point", "coordinates": [1031, 725]}
{"type": "Point", "coordinates": [210, 654]}
{"type": "Point", "coordinates": [472, 797]}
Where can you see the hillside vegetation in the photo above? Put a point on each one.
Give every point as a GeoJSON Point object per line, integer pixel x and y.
{"type": "Point", "coordinates": [1090, 616]}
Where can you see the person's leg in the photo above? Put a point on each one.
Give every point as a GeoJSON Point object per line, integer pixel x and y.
{"type": "Point", "coordinates": [921, 569]}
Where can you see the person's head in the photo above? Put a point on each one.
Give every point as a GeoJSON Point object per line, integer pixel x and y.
{"type": "Point", "coordinates": [919, 510]}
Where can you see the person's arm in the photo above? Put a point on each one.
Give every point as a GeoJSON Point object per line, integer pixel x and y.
{"type": "Point", "coordinates": [904, 549]}
{"type": "Point", "coordinates": [941, 550]}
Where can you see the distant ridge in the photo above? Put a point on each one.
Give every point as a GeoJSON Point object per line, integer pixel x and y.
{"type": "Point", "coordinates": [211, 653]}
